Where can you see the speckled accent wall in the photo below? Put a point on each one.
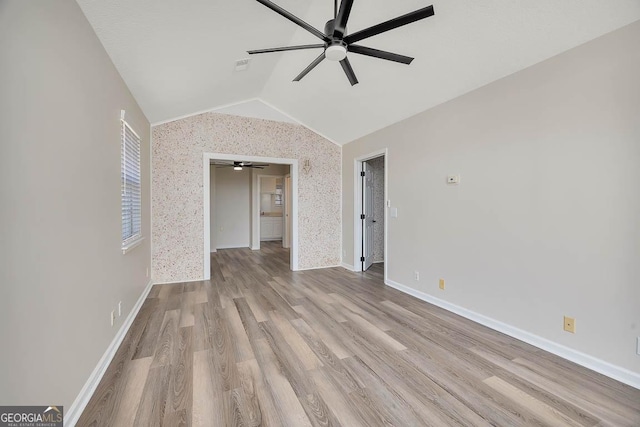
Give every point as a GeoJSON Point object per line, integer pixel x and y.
{"type": "Point", "coordinates": [177, 200]}
{"type": "Point", "coordinates": [376, 166]}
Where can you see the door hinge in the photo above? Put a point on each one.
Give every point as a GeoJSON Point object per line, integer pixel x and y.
{"type": "Point", "coordinates": [361, 259]}
{"type": "Point", "coordinates": [362, 216]}
{"type": "Point", "coordinates": [362, 173]}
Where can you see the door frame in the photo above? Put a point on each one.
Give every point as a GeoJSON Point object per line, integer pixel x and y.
{"type": "Point", "coordinates": [286, 235]}
{"type": "Point", "coordinates": [206, 184]}
{"type": "Point", "coordinates": [357, 208]}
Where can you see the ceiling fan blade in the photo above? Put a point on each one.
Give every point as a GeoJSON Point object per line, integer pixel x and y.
{"type": "Point", "coordinates": [282, 49]}
{"type": "Point", "coordinates": [340, 24]}
{"type": "Point", "coordinates": [293, 19]}
{"type": "Point", "coordinates": [310, 67]}
{"type": "Point", "coordinates": [390, 24]}
{"type": "Point", "coordinates": [362, 50]}
{"type": "Point", "coordinates": [346, 66]}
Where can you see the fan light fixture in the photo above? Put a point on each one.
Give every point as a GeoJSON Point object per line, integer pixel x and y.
{"type": "Point", "coordinates": [335, 52]}
{"type": "Point", "coordinates": [237, 168]}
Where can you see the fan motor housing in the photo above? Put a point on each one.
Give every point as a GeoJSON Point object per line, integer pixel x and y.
{"type": "Point", "coordinates": [336, 49]}
{"type": "Point", "coordinates": [329, 27]}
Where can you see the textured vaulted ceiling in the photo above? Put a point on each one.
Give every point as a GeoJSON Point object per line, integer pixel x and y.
{"type": "Point", "coordinates": [177, 56]}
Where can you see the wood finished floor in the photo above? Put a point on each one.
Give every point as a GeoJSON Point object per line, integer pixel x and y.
{"type": "Point", "coordinates": [261, 345]}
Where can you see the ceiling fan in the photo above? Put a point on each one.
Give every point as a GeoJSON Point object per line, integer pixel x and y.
{"type": "Point", "coordinates": [239, 165]}
{"type": "Point", "coordinates": [336, 42]}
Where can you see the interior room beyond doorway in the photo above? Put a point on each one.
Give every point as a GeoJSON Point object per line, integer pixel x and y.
{"type": "Point", "coordinates": [371, 213]}
{"type": "Point", "coordinates": [274, 220]}
{"type": "Point", "coordinates": [249, 202]}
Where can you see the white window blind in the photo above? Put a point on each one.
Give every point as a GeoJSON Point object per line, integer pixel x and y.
{"type": "Point", "coordinates": [131, 188]}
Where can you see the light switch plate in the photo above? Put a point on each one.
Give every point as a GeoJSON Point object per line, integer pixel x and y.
{"type": "Point", "coordinates": [394, 212]}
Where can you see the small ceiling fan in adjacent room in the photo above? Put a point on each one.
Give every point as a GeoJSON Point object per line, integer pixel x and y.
{"type": "Point", "coordinates": [239, 165]}
{"type": "Point", "coordinates": [336, 42]}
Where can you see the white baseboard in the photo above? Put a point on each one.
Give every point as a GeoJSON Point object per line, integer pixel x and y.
{"type": "Point", "coordinates": [73, 414]}
{"type": "Point", "coordinates": [605, 368]}
{"type": "Point", "coordinates": [318, 268]}
{"type": "Point", "coordinates": [347, 266]}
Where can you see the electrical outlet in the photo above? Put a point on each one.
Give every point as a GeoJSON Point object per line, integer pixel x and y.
{"type": "Point", "coordinates": [113, 317]}
{"type": "Point", "coordinates": [570, 324]}
{"type": "Point", "coordinates": [120, 309]}
{"type": "Point", "coordinates": [417, 275]}
{"type": "Point", "coordinates": [638, 347]}
{"type": "Point", "coordinates": [441, 284]}
{"type": "Point", "coordinates": [147, 271]}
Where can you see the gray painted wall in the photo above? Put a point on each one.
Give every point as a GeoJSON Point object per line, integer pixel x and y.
{"type": "Point", "coordinates": [61, 268]}
{"type": "Point", "coordinates": [545, 220]}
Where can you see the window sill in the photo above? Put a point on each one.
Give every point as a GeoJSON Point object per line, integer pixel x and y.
{"type": "Point", "coordinates": [128, 246]}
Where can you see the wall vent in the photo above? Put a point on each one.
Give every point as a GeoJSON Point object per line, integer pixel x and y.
{"type": "Point", "coordinates": [242, 64]}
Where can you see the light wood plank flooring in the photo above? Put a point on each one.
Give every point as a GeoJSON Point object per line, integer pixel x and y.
{"type": "Point", "coordinates": [261, 345]}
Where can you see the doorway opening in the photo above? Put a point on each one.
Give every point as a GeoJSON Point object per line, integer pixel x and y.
{"type": "Point", "coordinates": [272, 219]}
{"type": "Point", "coordinates": [370, 221]}
{"type": "Point", "coordinates": [245, 205]}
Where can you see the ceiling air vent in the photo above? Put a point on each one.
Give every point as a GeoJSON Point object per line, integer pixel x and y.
{"type": "Point", "coordinates": [242, 64]}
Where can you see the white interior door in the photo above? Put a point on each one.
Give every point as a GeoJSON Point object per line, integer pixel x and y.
{"type": "Point", "coordinates": [286, 241]}
{"type": "Point", "coordinates": [367, 217]}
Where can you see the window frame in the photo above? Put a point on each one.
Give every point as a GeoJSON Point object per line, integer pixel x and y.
{"type": "Point", "coordinates": [130, 201]}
